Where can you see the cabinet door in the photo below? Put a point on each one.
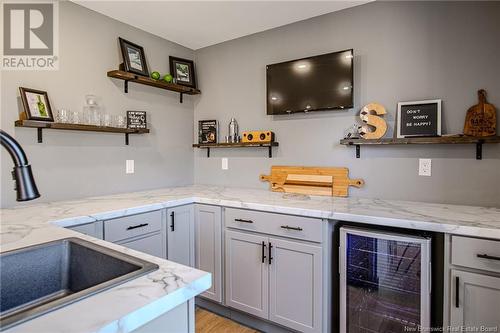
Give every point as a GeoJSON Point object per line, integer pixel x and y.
{"type": "Point", "coordinates": [180, 235]}
{"type": "Point", "coordinates": [208, 247]}
{"type": "Point", "coordinates": [247, 279]}
{"type": "Point", "coordinates": [295, 290]}
{"type": "Point", "coordinates": [94, 229]}
{"type": "Point", "coordinates": [476, 302]}
{"type": "Point", "coordinates": [151, 244]}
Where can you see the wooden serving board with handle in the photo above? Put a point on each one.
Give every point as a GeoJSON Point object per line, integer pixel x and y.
{"type": "Point", "coordinates": [481, 119]}
{"type": "Point", "coordinates": [331, 181]}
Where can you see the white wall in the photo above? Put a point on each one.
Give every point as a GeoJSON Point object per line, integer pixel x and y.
{"type": "Point", "coordinates": [79, 164]}
{"type": "Point", "coordinates": [404, 51]}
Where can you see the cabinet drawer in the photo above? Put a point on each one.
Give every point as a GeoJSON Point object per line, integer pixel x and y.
{"type": "Point", "coordinates": [475, 253]}
{"type": "Point", "coordinates": [150, 244]}
{"type": "Point", "coordinates": [305, 228]}
{"type": "Point", "coordinates": [132, 226]}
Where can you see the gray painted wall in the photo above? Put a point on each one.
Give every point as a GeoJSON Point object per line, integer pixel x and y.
{"type": "Point", "coordinates": [404, 51]}
{"type": "Point", "coordinates": [78, 164]}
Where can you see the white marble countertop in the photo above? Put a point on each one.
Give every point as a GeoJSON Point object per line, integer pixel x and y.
{"type": "Point", "coordinates": [120, 308]}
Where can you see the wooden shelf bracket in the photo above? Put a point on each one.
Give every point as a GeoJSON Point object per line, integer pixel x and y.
{"type": "Point", "coordinates": [39, 135]}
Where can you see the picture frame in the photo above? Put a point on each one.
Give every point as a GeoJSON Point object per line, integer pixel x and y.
{"type": "Point", "coordinates": [208, 131]}
{"type": "Point", "coordinates": [183, 71]}
{"type": "Point", "coordinates": [136, 120]}
{"type": "Point", "coordinates": [134, 58]}
{"type": "Point", "coordinates": [418, 118]}
{"type": "Point", "coordinates": [36, 104]}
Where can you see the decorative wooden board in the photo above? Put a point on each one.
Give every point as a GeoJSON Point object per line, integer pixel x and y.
{"type": "Point", "coordinates": [311, 180]}
{"type": "Point", "coordinates": [481, 119]}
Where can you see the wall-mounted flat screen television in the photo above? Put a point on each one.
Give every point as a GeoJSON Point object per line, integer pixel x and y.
{"type": "Point", "coordinates": [323, 82]}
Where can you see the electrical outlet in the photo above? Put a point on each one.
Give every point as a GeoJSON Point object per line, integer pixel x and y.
{"type": "Point", "coordinates": [424, 166]}
{"type": "Point", "coordinates": [225, 163]}
{"type": "Point", "coordinates": [129, 166]}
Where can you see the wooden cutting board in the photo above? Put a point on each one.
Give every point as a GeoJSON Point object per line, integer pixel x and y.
{"type": "Point", "coordinates": [481, 119]}
{"type": "Point", "coordinates": [311, 180]}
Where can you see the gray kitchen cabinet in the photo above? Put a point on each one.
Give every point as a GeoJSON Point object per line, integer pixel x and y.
{"type": "Point", "coordinates": [475, 300]}
{"type": "Point", "coordinates": [94, 229]}
{"type": "Point", "coordinates": [208, 247]}
{"type": "Point", "coordinates": [150, 244]}
{"type": "Point", "coordinates": [180, 234]}
{"type": "Point", "coordinates": [247, 273]}
{"type": "Point", "coordinates": [274, 268]}
{"type": "Point", "coordinates": [295, 289]}
{"type": "Point", "coordinates": [143, 232]}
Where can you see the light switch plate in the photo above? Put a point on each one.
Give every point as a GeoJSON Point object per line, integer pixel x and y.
{"type": "Point", "coordinates": [225, 163]}
{"type": "Point", "coordinates": [424, 167]}
{"type": "Point", "coordinates": [129, 166]}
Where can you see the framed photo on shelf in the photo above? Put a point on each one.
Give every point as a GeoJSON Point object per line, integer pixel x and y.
{"type": "Point", "coordinates": [134, 58]}
{"type": "Point", "coordinates": [418, 119]}
{"type": "Point", "coordinates": [183, 71]}
{"type": "Point", "coordinates": [208, 131]}
{"type": "Point", "coordinates": [36, 104]}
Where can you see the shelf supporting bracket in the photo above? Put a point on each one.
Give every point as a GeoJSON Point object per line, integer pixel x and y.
{"type": "Point", "coordinates": [180, 98]}
{"type": "Point", "coordinates": [208, 152]}
{"type": "Point", "coordinates": [126, 139]}
{"type": "Point", "coordinates": [479, 150]}
{"type": "Point", "coordinates": [358, 151]}
{"type": "Point", "coordinates": [125, 86]}
{"type": "Point", "coordinates": [270, 151]}
{"type": "Point", "coordinates": [39, 135]}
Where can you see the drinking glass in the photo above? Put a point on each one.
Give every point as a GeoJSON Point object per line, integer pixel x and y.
{"type": "Point", "coordinates": [120, 121]}
{"type": "Point", "coordinates": [106, 120]}
{"type": "Point", "coordinates": [75, 117]}
{"type": "Point", "coordinates": [63, 116]}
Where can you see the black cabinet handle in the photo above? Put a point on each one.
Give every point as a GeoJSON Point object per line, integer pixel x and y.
{"type": "Point", "coordinates": [457, 290]}
{"type": "Point", "coordinates": [270, 253]}
{"type": "Point", "coordinates": [291, 228]}
{"type": "Point", "coordinates": [137, 226]}
{"type": "Point", "coordinates": [244, 221]}
{"type": "Point", "coordinates": [172, 225]}
{"type": "Point", "coordinates": [487, 256]}
{"type": "Point", "coordinates": [263, 251]}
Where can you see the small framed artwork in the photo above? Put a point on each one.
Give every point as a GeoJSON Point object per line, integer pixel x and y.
{"type": "Point", "coordinates": [419, 118]}
{"type": "Point", "coordinates": [134, 58]}
{"type": "Point", "coordinates": [207, 131]}
{"type": "Point", "coordinates": [136, 119]}
{"type": "Point", "coordinates": [183, 71]}
{"type": "Point", "coordinates": [36, 104]}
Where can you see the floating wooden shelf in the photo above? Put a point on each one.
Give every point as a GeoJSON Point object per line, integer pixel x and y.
{"type": "Point", "coordinates": [40, 125]}
{"type": "Point", "coordinates": [208, 146]}
{"type": "Point", "coordinates": [455, 139]}
{"type": "Point", "coordinates": [130, 77]}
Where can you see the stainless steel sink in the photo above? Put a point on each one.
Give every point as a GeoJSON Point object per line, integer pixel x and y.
{"type": "Point", "coordinates": [41, 278]}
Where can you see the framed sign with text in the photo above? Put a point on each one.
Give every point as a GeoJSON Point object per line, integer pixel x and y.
{"type": "Point", "coordinates": [136, 119]}
{"type": "Point", "coordinates": [419, 118]}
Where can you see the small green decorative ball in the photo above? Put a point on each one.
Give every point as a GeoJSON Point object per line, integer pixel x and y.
{"type": "Point", "coordinates": [168, 78]}
{"type": "Point", "coordinates": [155, 76]}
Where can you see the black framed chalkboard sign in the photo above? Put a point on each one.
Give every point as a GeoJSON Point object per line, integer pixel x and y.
{"type": "Point", "coordinates": [136, 119]}
{"type": "Point", "coordinates": [419, 118]}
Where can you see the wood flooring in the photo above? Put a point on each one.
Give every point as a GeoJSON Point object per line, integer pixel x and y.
{"type": "Point", "coordinates": [207, 322]}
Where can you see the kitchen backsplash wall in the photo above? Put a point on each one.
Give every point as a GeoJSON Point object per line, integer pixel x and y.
{"type": "Point", "coordinates": [404, 51]}
{"type": "Point", "coordinates": [77, 164]}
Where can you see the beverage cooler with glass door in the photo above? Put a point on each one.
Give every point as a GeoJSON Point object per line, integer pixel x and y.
{"type": "Point", "coordinates": [384, 281]}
